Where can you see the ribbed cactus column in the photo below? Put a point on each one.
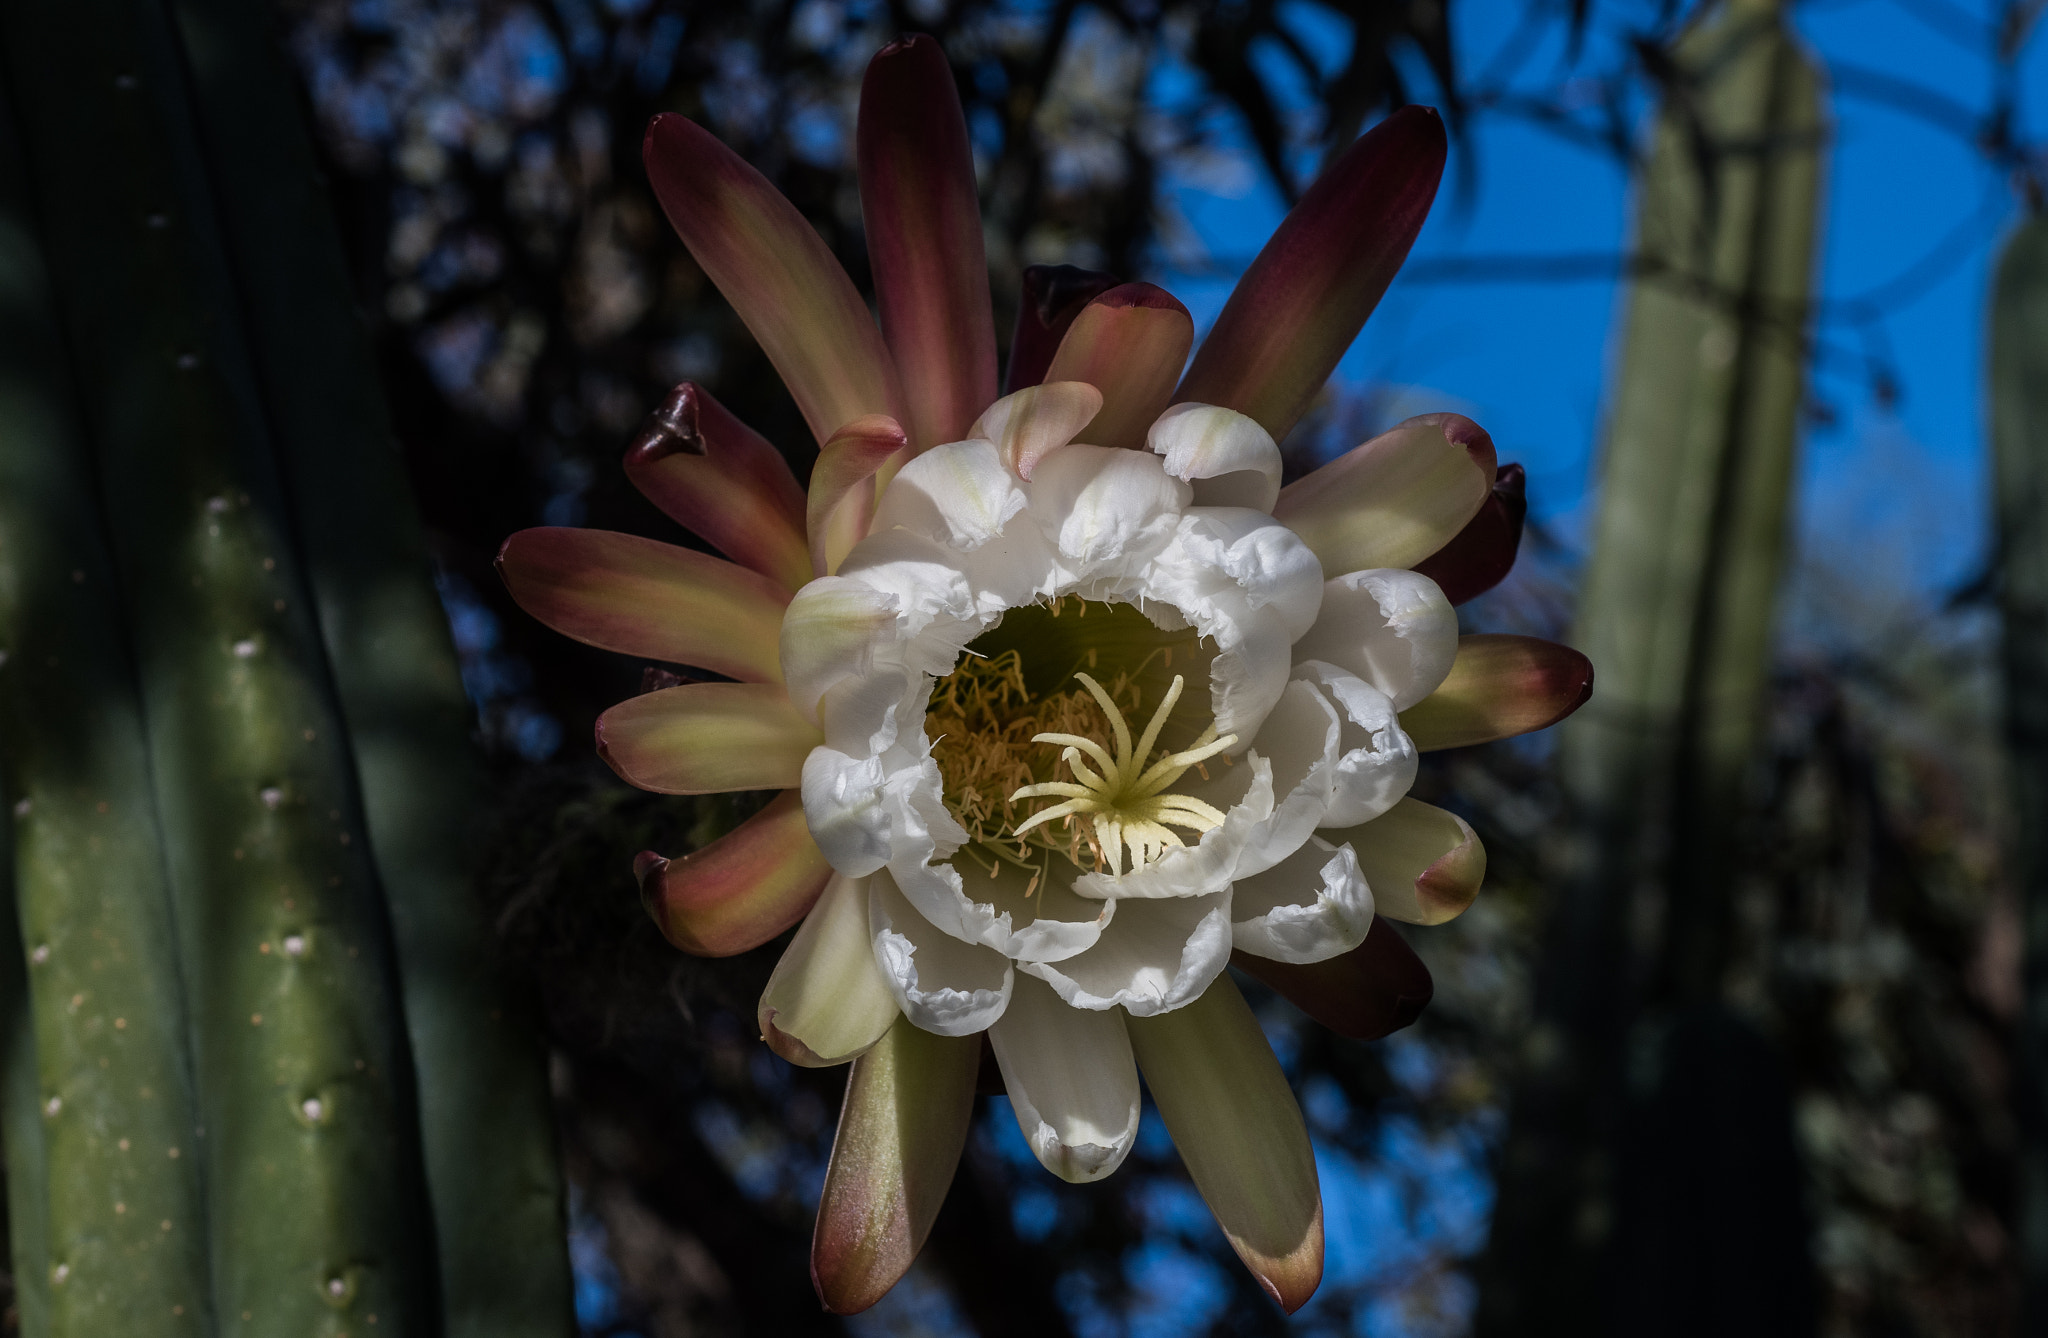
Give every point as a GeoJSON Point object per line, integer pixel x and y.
{"type": "Point", "coordinates": [487, 1127]}
{"type": "Point", "coordinates": [1676, 613]}
{"type": "Point", "coordinates": [2019, 442]}
{"type": "Point", "coordinates": [309, 1154]}
{"type": "Point", "coordinates": [112, 1204]}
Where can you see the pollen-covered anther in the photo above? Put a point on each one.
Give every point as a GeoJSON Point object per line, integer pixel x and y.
{"type": "Point", "coordinates": [1126, 801]}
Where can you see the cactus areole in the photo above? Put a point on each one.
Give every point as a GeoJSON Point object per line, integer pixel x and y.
{"type": "Point", "coordinates": [1070, 699]}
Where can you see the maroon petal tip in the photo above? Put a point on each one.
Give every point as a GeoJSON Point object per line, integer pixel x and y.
{"type": "Point", "coordinates": [1126, 295]}
{"type": "Point", "coordinates": [647, 865]}
{"type": "Point", "coordinates": [672, 429]}
{"type": "Point", "coordinates": [1052, 297]}
{"type": "Point", "coordinates": [1480, 556]}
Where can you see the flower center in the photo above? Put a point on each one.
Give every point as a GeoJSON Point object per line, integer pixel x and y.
{"type": "Point", "coordinates": [1125, 801]}
{"type": "Point", "coordinates": [991, 719]}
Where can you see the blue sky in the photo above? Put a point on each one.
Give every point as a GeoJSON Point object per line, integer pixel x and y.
{"type": "Point", "coordinates": [1531, 360]}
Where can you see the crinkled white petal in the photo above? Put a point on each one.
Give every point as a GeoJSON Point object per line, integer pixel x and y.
{"type": "Point", "coordinates": [1378, 761]}
{"type": "Point", "coordinates": [940, 983]}
{"type": "Point", "coordinates": [1159, 954]}
{"type": "Point", "coordinates": [1301, 739]}
{"type": "Point", "coordinates": [959, 494]}
{"type": "Point", "coordinates": [865, 715]}
{"type": "Point", "coordinates": [1103, 507]}
{"type": "Point", "coordinates": [1228, 458]}
{"type": "Point", "coordinates": [1392, 628]}
{"type": "Point", "coordinates": [1309, 907]}
{"type": "Point", "coordinates": [1243, 793]}
{"type": "Point", "coordinates": [1072, 1081]}
{"type": "Point", "coordinates": [1248, 675]}
{"type": "Point", "coordinates": [862, 810]}
{"type": "Point", "coordinates": [1225, 555]}
{"type": "Point", "coordinates": [832, 630]}
{"type": "Point", "coordinates": [962, 898]}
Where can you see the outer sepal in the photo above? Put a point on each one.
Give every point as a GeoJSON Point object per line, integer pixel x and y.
{"type": "Point", "coordinates": [741, 890]}
{"type": "Point", "coordinates": [775, 270]}
{"type": "Point", "coordinates": [1498, 687]}
{"type": "Point", "coordinates": [827, 1002]}
{"type": "Point", "coordinates": [1131, 344]}
{"type": "Point", "coordinates": [1228, 1107]}
{"type": "Point", "coordinates": [646, 598]}
{"type": "Point", "coordinates": [1424, 864]}
{"type": "Point", "coordinates": [1483, 553]}
{"type": "Point", "coordinates": [1374, 990]}
{"type": "Point", "coordinates": [722, 481]}
{"type": "Point", "coordinates": [923, 222]}
{"type": "Point", "coordinates": [839, 507]}
{"type": "Point", "coordinates": [1306, 296]}
{"type": "Point", "coordinates": [1396, 499]}
{"type": "Point", "coordinates": [1052, 297]}
{"type": "Point", "coordinates": [707, 738]}
{"type": "Point", "coordinates": [909, 1102]}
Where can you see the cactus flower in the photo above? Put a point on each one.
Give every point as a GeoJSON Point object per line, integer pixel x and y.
{"type": "Point", "coordinates": [1068, 699]}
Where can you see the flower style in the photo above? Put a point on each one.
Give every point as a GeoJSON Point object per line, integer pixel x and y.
{"type": "Point", "coordinates": [1070, 702]}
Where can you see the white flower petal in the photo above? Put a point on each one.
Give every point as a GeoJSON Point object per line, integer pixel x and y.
{"type": "Point", "coordinates": [943, 985]}
{"type": "Point", "coordinates": [1072, 1081]}
{"type": "Point", "coordinates": [863, 812]}
{"type": "Point", "coordinates": [1104, 507]}
{"type": "Point", "coordinates": [958, 494]}
{"type": "Point", "coordinates": [1392, 628]}
{"type": "Point", "coordinates": [1247, 677]}
{"type": "Point", "coordinates": [865, 715]}
{"type": "Point", "coordinates": [1222, 556]}
{"type": "Point", "coordinates": [832, 630]}
{"type": "Point", "coordinates": [1227, 456]}
{"type": "Point", "coordinates": [1301, 739]}
{"type": "Point", "coordinates": [1157, 955]}
{"type": "Point", "coordinates": [1310, 907]}
{"type": "Point", "coordinates": [1378, 760]}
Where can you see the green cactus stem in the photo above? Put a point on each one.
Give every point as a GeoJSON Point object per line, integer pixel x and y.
{"type": "Point", "coordinates": [309, 1153]}
{"type": "Point", "coordinates": [21, 1119]}
{"type": "Point", "coordinates": [2019, 458]}
{"type": "Point", "coordinates": [486, 1121]}
{"type": "Point", "coordinates": [117, 1213]}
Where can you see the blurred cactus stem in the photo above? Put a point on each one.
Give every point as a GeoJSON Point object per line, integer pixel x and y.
{"type": "Point", "coordinates": [307, 1132]}
{"type": "Point", "coordinates": [2019, 457]}
{"type": "Point", "coordinates": [1677, 612]}
{"type": "Point", "coordinates": [492, 1170]}
{"type": "Point", "coordinates": [106, 1219]}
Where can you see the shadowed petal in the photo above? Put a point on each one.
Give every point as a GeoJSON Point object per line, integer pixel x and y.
{"type": "Point", "coordinates": [1028, 425]}
{"type": "Point", "coordinates": [1053, 296]}
{"type": "Point", "coordinates": [839, 508]}
{"type": "Point", "coordinates": [923, 222]}
{"type": "Point", "coordinates": [1423, 864]}
{"type": "Point", "coordinates": [642, 597]}
{"type": "Point", "coordinates": [1498, 687]}
{"type": "Point", "coordinates": [1374, 990]}
{"type": "Point", "coordinates": [908, 1105]}
{"type": "Point", "coordinates": [741, 890]}
{"type": "Point", "coordinates": [1130, 343]}
{"type": "Point", "coordinates": [827, 1002]}
{"type": "Point", "coordinates": [775, 270]}
{"type": "Point", "coordinates": [724, 482]}
{"type": "Point", "coordinates": [1071, 1080]}
{"type": "Point", "coordinates": [1396, 499]}
{"type": "Point", "coordinates": [1307, 295]}
{"type": "Point", "coordinates": [1228, 1107]}
{"type": "Point", "coordinates": [705, 738]}
{"type": "Point", "coordinates": [1483, 553]}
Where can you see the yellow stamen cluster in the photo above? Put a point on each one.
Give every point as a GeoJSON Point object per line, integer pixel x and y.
{"type": "Point", "coordinates": [1125, 800]}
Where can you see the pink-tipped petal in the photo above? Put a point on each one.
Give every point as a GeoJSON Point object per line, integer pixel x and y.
{"type": "Point", "coordinates": [643, 597]}
{"type": "Point", "coordinates": [1053, 295]}
{"type": "Point", "coordinates": [1307, 295]}
{"type": "Point", "coordinates": [1396, 499]}
{"type": "Point", "coordinates": [722, 481]}
{"type": "Point", "coordinates": [1228, 1107]}
{"type": "Point", "coordinates": [1424, 864]}
{"type": "Point", "coordinates": [1374, 990]}
{"type": "Point", "coordinates": [741, 890]}
{"type": "Point", "coordinates": [840, 507]}
{"type": "Point", "coordinates": [1028, 425]}
{"type": "Point", "coordinates": [1498, 687]}
{"type": "Point", "coordinates": [777, 273]}
{"type": "Point", "coordinates": [707, 738]}
{"type": "Point", "coordinates": [909, 1102]}
{"type": "Point", "coordinates": [923, 220]}
{"type": "Point", "coordinates": [1131, 344]}
{"type": "Point", "coordinates": [1483, 553]}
